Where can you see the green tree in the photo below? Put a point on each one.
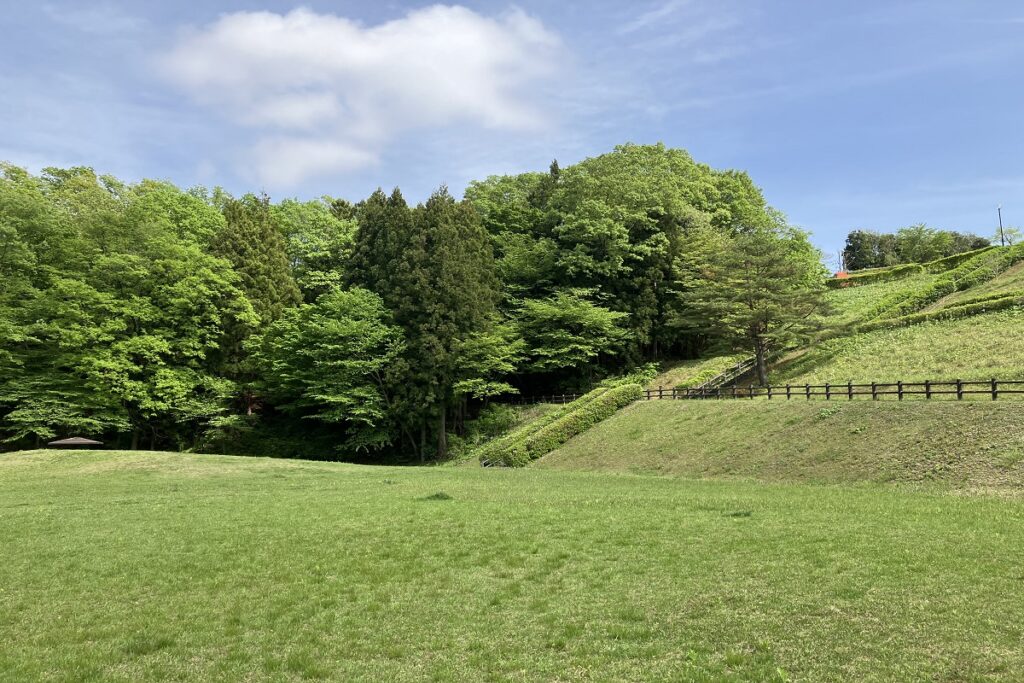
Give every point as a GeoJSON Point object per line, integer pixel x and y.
{"type": "Point", "coordinates": [434, 269]}
{"type": "Point", "coordinates": [329, 361]}
{"type": "Point", "coordinates": [317, 241]}
{"type": "Point", "coordinates": [759, 292]}
{"type": "Point", "coordinates": [256, 249]}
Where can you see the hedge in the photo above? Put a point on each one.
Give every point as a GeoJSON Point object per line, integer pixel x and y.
{"type": "Point", "coordinates": [488, 451]}
{"type": "Point", "coordinates": [871, 276]}
{"type": "Point", "coordinates": [583, 416]}
{"type": "Point", "coordinates": [997, 302]}
{"type": "Point", "coordinates": [894, 273]}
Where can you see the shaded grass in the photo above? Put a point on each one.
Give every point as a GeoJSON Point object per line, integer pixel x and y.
{"type": "Point", "coordinates": [970, 445]}
{"type": "Point", "coordinates": [126, 567]}
{"type": "Point", "coordinates": [975, 348]}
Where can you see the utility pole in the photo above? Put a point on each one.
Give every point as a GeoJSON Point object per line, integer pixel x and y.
{"type": "Point", "coordinates": [1002, 240]}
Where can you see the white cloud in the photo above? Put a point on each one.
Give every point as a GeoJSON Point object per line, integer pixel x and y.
{"type": "Point", "coordinates": [327, 93]}
{"type": "Point", "coordinates": [654, 16]}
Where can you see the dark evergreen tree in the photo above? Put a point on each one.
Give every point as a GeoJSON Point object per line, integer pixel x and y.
{"type": "Point", "coordinates": [256, 249]}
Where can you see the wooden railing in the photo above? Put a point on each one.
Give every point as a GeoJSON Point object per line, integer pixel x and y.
{"type": "Point", "coordinates": [992, 388]}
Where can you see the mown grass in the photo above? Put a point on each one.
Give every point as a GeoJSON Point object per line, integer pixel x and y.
{"type": "Point", "coordinates": [975, 348]}
{"type": "Point", "coordinates": [967, 446]}
{"type": "Point", "coordinates": [128, 567]}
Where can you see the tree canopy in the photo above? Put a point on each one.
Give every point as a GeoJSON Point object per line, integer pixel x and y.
{"type": "Point", "coordinates": [154, 316]}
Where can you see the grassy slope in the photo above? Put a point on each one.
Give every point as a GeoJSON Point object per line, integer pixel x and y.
{"type": "Point", "coordinates": [125, 567]}
{"type": "Point", "coordinates": [851, 304]}
{"type": "Point", "coordinates": [975, 348]}
{"type": "Point", "coordinates": [1010, 281]}
{"type": "Point", "coordinates": [966, 445]}
{"type": "Point", "coordinates": [689, 373]}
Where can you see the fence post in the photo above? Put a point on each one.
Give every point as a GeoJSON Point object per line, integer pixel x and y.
{"type": "Point", "coordinates": [734, 389]}
{"type": "Point", "coordinates": [807, 391]}
{"type": "Point", "coordinates": [750, 392]}
{"type": "Point", "coordinates": [828, 391]}
{"type": "Point", "coordinates": [959, 390]}
{"type": "Point", "coordinates": [995, 389]}
{"type": "Point", "coordinates": [787, 392]}
{"type": "Point", "coordinates": [769, 392]}
{"type": "Point", "coordinates": [927, 388]}
{"type": "Point", "coordinates": [849, 390]}
{"type": "Point", "coordinates": [661, 392]}
{"type": "Point", "coordinates": [899, 389]}
{"type": "Point", "coordinates": [874, 391]}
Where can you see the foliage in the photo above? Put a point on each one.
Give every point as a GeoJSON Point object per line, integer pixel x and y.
{"type": "Point", "coordinates": [915, 244]}
{"type": "Point", "coordinates": [759, 294]}
{"type": "Point", "coordinates": [329, 361]}
{"type": "Point", "coordinates": [317, 242]}
{"type": "Point", "coordinates": [518, 449]}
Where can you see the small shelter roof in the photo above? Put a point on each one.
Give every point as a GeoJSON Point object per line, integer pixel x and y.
{"type": "Point", "coordinates": [75, 441]}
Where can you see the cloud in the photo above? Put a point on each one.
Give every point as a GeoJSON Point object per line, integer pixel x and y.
{"type": "Point", "coordinates": [654, 16]}
{"type": "Point", "coordinates": [325, 93]}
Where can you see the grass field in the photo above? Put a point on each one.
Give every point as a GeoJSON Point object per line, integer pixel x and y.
{"type": "Point", "coordinates": [968, 446]}
{"type": "Point", "coordinates": [151, 566]}
{"type": "Point", "coordinates": [975, 348]}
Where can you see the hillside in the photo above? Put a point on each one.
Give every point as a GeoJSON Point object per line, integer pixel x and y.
{"type": "Point", "coordinates": [963, 445]}
{"type": "Point", "coordinates": [162, 566]}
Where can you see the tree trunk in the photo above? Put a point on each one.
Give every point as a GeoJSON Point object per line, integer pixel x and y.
{"type": "Point", "coordinates": [135, 439]}
{"type": "Point", "coordinates": [423, 442]}
{"type": "Point", "coordinates": [442, 433]}
{"type": "Point", "coordinates": [762, 365]}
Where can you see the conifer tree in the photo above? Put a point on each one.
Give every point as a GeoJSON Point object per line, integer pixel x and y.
{"type": "Point", "coordinates": [254, 246]}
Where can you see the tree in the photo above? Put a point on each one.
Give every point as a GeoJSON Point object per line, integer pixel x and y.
{"type": "Point", "coordinates": [433, 267]}
{"type": "Point", "coordinates": [317, 241]}
{"type": "Point", "coordinates": [256, 249]}
{"type": "Point", "coordinates": [568, 332]}
{"type": "Point", "coordinates": [758, 294]}
{"type": "Point", "coordinates": [1010, 235]}
{"type": "Point", "coordinates": [329, 361]}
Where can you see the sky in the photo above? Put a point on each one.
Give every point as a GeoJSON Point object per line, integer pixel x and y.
{"type": "Point", "coordinates": [867, 114]}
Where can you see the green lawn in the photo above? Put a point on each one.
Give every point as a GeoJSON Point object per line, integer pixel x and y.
{"type": "Point", "coordinates": [975, 348]}
{"type": "Point", "coordinates": [151, 566]}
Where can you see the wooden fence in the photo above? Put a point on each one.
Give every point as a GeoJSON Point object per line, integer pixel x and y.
{"type": "Point", "coordinates": [928, 389]}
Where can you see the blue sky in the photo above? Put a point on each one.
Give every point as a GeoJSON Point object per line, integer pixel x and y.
{"type": "Point", "coordinates": [848, 114]}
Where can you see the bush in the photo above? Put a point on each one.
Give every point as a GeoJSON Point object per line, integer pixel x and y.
{"type": "Point", "coordinates": [871, 277]}
{"type": "Point", "coordinates": [582, 416]}
{"type": "Point", "coordinates": [488, 452]}
{"type": "Point", "coordinates": [998, 302]}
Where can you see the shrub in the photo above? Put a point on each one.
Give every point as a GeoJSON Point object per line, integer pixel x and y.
{"type": "Point", "coordinates": [870, 277]}
{"type": "Point", "coordinates": [581, 417]}
{"type": "Point", "coordinates": [488, 452]}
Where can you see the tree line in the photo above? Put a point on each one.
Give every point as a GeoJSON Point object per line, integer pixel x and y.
{"type": "Point", "coordinates": [914, 244]}
{"type": "Point", "coordinates": [153, 316]}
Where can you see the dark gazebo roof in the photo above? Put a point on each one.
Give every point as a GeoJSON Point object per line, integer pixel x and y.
{"type": "Point", "coordinates": [75, 441]}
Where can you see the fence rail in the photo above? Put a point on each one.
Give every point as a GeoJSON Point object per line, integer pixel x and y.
{"type": "Point", "coordinates": [959, 388]}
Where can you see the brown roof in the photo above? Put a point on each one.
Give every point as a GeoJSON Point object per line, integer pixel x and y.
{"type": "Point", "coordinates": [75, 441]}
